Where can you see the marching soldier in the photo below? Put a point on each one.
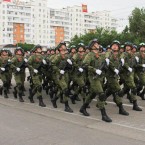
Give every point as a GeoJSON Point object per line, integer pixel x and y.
{"type": "Point", "coordinates": [127, 74]}
{"type": "Point", "coordinates": [95, 64]}
{"type": "Point", "coordinates": [60, 65]}
{"type": "Point", "coordinates": [112, 76]}
{"type": "Point", "coordinates": [140, 70]}
{"type": "Point", "coordinates": [79, 74]}
{"type": "Point", "coordinates": [35, 64]}
{"type": "Point", "coordinates": [5, 66]}
{"type": "Point", "coordinates": [18, 66]}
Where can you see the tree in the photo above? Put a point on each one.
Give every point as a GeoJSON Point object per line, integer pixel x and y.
{"type": "Point", "coordinates": [137, 22]}
{"type": "Point", "coordinates": [25, 46]}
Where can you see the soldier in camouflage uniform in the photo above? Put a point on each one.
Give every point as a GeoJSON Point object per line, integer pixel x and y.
{"type": "Point", "coordinates": [35, 64]}
{"type": "Point", "coordinates": [60, 65]}
{"type": "Point", "coordinates": [79, 74]}
{"type": "Point", "coordinates": [134, 49]}
{"type": "Point", "coordinates": [18, 66]}
{"type": "Point", "coordinates": [140, 70]}
{"type": "Point", "coordinates": [121, 49]}
{"type": "Point", "coordinates": [95, 64]}
{"type": "Point", "coordinates": [127, 74]}
{"type": "Point", "coordinates": [112, 76]}
{"type": "Point", "coordinates": [5, 65]}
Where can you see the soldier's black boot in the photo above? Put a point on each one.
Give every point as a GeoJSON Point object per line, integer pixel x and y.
{"type": "Point", "coordinates": [67, 108]}
{"type": "Point", "coordinates": [53, 100]}
{"type": "Point", "coordinates": [31, 96]}
{"type": "Point", "coordinates": [105, 117]}
{"type": "Point", "coordinates": [122, 110]}
{"type": "Point", "coordinates": [21, 98]}
{"type": "Point", "coordinates": [1, 90]}
{"type": "Point", "coordinates": [41, 103]}
{"type": "Point", "coordinates": [83, 109]}
{"type": "Point", "coordinates": [135, 106]}
{"type": "Point", "coordinates": [5, 94]}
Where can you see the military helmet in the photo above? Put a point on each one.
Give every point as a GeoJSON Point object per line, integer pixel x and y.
{"type": "Point", "coordinates": [2, 50]}
{"type": "Point", "coordinates": [19, 48]}
{"type": "Point", "coordinates": [128, 44]}
{"type": "Point", "coordinates": [72, 47]}
{"type": "Point", "coordinates": [141, 45]}
{"type": "Point", "coordinates": [134, 46]}
{"type": "Point", "coordinates": [37, 46]}
{"type": "Point", "coordinates": [108, 47]}
{"type": "Point", "coordinates": [92, 42]}
{"type": "Point", "coordinates": [81, 45]}
{"type": "Point", "coordinates": [122, 46]}
{"type": "Point", "coordinates": [60, 44]}
{"type": "Point", "coordinates": [115, 42]}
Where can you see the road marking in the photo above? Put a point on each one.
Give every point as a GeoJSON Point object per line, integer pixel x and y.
{"type": "Point", "coordinates": [90, 118]}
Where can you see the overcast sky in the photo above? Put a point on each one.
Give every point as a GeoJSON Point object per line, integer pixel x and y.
{"type": "Point", "coordinates": [119, 8]}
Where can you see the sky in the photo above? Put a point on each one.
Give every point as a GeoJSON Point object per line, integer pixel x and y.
{"type": "Point", "coordinates": [119, 8]}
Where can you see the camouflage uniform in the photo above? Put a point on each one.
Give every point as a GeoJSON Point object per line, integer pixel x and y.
{"type": "Point", "coordinates": [35, 64]}
{"type": "Point", "coordinates": [60, 68]}
{"type": "Point", "coordinates": [18, 65]}
{"type": "Point", "coordinates": [5, 66]}
{"type": "Point", "coordinates": [95, 64]}
{"type": "Point", "coordinates": [140, 71]}
{"type": "Point", "coordinates": [127, 76]}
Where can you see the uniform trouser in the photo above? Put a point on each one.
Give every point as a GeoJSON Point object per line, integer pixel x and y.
{"type": "Point", "coordinates": [5, 77]}
{"type": "Point", "coordinates": [23, 77]}
{"type": "Point", "coordinates": [96, 89]}
{"type": "Point", "coordinates": [129, 84]}
{"type": "Point", "coordinates": [141, 77]}
{"type": "Point", "coordinates": [113, 87]}
{"type": "Point", "coordinates": [19, 82]}
{"type": "Point", "coordinates": [79, 80]}
{"type": "Point", "coordinates": [141, 82]}
{"type": "Point", "coordinates": [37, 84]}
{"type": "Point", "coordinates": [62, 83]}
{"type": "Point", "coordinates": [10, 73]}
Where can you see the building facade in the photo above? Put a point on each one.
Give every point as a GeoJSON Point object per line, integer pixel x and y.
{"type": "Point", "coordinates": [34, 22]}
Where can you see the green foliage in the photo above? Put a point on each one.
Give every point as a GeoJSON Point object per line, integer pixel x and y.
{"type": "Point", "coordinates": [137, 22]}
{"type": "Point", "coordinates": [25, 46]}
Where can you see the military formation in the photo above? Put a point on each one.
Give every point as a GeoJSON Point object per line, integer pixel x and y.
{"type": "Point", "coordinates": [80, 73]}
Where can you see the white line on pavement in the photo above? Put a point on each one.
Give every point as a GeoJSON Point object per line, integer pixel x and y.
{"type": "Point", "coordinates": [91, 118]}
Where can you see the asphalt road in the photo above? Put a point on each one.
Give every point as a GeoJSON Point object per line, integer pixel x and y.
{"type": "Point", "coordinates": [29, 124]}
